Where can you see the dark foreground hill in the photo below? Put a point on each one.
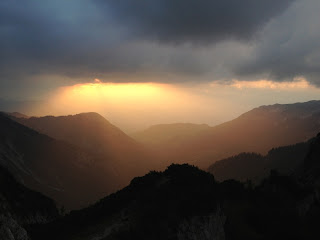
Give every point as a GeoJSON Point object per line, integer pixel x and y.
{"type": "Point", "coordinates": [184, 202]}
{"type": "Point", "coordinates": [20, 206]}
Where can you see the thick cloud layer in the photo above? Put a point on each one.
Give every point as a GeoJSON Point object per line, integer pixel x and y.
{"type": "Point", "coordinates": [195, 21]}
{"type": "Point", "coordinates": [204, 40]}
{"type": "Point", "coordinates": [289, 46]}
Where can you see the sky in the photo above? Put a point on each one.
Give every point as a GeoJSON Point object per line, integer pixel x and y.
{"type": "Point", "coordinates": [140, 63]}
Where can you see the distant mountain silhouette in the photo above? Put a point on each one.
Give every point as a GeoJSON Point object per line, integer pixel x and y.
{"type": "Point", "coordinates": [67, 173]}
{"type": "Point", "coordinates": [16, 114]}
{"type": "Point", "coordinates": [181, 202]}
{"type": "Point", "coordinates": [255, 167]}
{"type": "Point", "coordinates": [87, 130]}
{"type": "Point", "coordinates": [168, 133]}
{"type": "Point", "coordinates": [124, 156]}
{"type": "Point", "coordinates": [258, 130]}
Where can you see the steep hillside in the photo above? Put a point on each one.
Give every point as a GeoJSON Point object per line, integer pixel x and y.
{"type": "Point", "coordinates": [95, 134]}
{"type": "Point", "coordinates": [255, 167]}
{"type": "Point", "coordinates": [258, 131]}
{"type": "Point", "coordinates": [87, 130]}
{"type": "Point", "coordinates": [65, 172]}
{"type": "Point", "coordinates": [311, 170]}
{"type": "Point", "coordinates": [16, 114]}
{"type": "Point", "coordinates": [180, 203]}
{"type": "Point", "coordinates": [20, 206]}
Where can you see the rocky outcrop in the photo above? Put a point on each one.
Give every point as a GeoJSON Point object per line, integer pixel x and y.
{"type": "Point", "coordinates": [11, 230]}
{"type": "Point", "coordinates": [209, 227]}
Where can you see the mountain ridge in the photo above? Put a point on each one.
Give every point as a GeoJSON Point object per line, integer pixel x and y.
{"type": "Point", "coordinates": [65, 172]}
{"type": "Point", "coordinates": [257, 130]}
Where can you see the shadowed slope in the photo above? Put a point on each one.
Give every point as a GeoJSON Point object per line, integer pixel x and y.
{"type": "Point", "coordinates": [252, 166]}
{"type": "Point", "coordinates": [20, 206]}
{"type": "Point", "coordinates": [173, 204]}
{"type": "Point", "coordinates": [62, 171]}
{"type": "Point", "coordinates": [258, 130]}
{"type": "Point", "coordinates": [94, 133]}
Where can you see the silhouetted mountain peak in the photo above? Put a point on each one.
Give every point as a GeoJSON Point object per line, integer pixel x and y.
{"type": "Point", "coordinates": [67, 173]}
{"type": "Point", "coordinates": [17, 114]}
{"type": "Point", "coordinates": [82, 150]}
{"type": "Point", "coordinates": [89, 130]}
{"type": "Point", "coordinates": [92, 116]}
{"type": "Point", "coordinates": [301, 108]}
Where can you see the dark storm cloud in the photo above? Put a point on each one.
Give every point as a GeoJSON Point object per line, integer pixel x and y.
{"type": "Point", "coordinates": [87, 39]}
{"type": "Point", "coordinates": [289, 46]}
{"type": "Point", "coordinates": [195, 20]}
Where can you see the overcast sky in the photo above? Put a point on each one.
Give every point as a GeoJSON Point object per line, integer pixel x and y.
{"type": "Point", "coordinates": [50, 44]}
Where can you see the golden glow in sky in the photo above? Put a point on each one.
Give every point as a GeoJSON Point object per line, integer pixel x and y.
{"type": "Point", "coordinates": [135, 106]}
{"type": "Point", "coordinates": [127, 103]}
{"type": "Point", "coordinates": [125, 96]}
{"type": "Point", "coordinates": [119, 92]}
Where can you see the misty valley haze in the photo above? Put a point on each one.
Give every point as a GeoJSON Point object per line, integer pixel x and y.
{"type": "Point", "coordinates": [78, 159]}
{"type": "Point", "coordinates": [159, 120]}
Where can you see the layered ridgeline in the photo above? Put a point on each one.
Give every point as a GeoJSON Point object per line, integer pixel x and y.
{"type": "Point", "coordinates": [94, 133]}
{"type": "Point", "coordinates": [286, 160]}
{"type": "Point", "coordinates": [74, 176]}
{"type": "Point", "coordinates": [20, 206]}
{"type": "Point", "coordinates": [290, 160]}
{"type": "Point", "coordinates": [258, 130]}
{"type": "Point", "coordinates": [184, 202]}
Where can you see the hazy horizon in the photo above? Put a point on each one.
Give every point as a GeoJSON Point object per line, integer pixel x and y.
{"type": "Point", "coordinates": [138, 69]}
{"type": "Point", "coordinates": [134, 107]}
{"type": "Point", "coordinates": [233, 172]}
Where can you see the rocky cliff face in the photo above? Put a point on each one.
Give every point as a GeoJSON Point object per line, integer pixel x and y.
{"type": "Point", "coordinates": [203, 227]}
{"type": "Point", "coordinates": [20, 206]}
{"type": "Point", "coordinates": [11, 230]}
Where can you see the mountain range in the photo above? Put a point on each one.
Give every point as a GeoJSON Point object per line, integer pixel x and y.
{"type": "Point", "coordinates": [93, 133]}
{"type": "Point", "coordinates": [184, 202]}
{"type": "Point", "coordinates": [72, 174]}
{"type": "Point", "coordinates": [255, 167]}
{"type": "Point", "coordinates": [266, 186]}
{"type": "Point", "coordinates": [258, 130]}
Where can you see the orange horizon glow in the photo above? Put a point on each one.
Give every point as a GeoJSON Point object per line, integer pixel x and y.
{"type": "Point", "coordinates": [115, 95]}
{"type": "Point", "coordinates": [135, 106]}
{"type": "Point", "coordinates": [126, 103]}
